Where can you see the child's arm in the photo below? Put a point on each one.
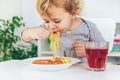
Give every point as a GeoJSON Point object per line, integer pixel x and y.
{"type": "Point", "coordinates": [79, 48]}
{"type": "Point", "coordinates": [38, 33]}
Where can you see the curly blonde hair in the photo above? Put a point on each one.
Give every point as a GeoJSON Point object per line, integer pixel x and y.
{"type": "Point", "coordinates": [69, 5]}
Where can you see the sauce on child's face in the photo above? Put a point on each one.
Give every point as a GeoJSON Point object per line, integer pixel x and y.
{"type": "Point", "coordinates": [57, 19]}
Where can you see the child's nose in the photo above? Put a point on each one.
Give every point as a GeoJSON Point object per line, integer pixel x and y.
{"type": "Point", "coordinates": [52, 25]}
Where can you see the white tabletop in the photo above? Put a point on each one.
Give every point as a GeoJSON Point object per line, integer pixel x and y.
{"type": "Point", "coordinates": [17, 70]}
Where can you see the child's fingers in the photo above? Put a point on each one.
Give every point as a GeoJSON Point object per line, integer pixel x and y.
{"type": "Point", "coordinates": [37, 37]}
{"type": "Point", "coordinates": [43, 33]}
{"type": "Point", "coordinates": [78, 43]}
{"type": "Point", "coordinates": [79, 48]}
{"type": "Point", "coordinates": [40, 34]}
{"type": "Point", "coordinates": [80, 52]}
{"type": "Point", "coordinates": [40, 37]}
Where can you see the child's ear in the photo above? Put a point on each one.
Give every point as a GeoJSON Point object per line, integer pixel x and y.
{"type": "Point", "coordinates": [74, 13]}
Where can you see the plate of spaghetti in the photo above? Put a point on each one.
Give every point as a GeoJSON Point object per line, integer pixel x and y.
{"type": "Point", "coordinates": [50, 64]}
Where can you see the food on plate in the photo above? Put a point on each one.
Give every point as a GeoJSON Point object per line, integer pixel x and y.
{"type": "Point", "coordinates": [45, 61]}
{"type": "Point", "coordinates": [66, 60]}
{"type": "Point", "coordinates": [60, 60]}
{"type": "Point", "coordinates": [55, 42]}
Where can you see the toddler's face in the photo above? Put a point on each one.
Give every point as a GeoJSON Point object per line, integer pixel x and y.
{"type": "Point", "coordinates": [57, 19]}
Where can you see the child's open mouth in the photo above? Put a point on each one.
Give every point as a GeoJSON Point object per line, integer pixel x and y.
{"type": "Point", "coordinates": [60, 31]}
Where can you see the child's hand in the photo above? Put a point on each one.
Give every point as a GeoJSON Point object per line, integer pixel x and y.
{"type": "Point", "coordinates": [79, 48]}
{"type": "Point", "coordinates": [38, 33]}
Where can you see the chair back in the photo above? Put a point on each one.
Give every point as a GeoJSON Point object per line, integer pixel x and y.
{"type": "Point", "coordinates": [107, 28]}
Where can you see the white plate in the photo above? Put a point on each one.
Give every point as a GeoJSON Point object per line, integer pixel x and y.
{"type": "Point", "coordinates": [52, 67]}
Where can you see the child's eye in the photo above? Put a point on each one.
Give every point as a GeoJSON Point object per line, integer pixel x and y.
{"type": "Point", "coordinates": [57, 21]}
{"type": "Point", "coordinates": [46, 21]}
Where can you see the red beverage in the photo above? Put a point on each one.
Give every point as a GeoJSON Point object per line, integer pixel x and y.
{"type": "Point", "coordinates": [96, 57]}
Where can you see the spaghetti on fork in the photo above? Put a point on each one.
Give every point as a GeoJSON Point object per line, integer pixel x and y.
{"type": "Point", "coordinates": [55, 43]}
{"type": "Point", "coordinates": [55, 46]}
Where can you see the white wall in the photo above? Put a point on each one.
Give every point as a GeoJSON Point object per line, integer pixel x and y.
{"type": "Point", "coordinates": [93, 9]}
{"type": "Point", "coordinates": [103, 9]}
{"type": "Point", "coordinates": [9, 8]}
{"type": "Point", "coordinates": [31, 16]}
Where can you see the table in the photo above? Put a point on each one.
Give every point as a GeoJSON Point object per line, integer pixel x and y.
{"type": "Point", "coordinates": [17, 70]}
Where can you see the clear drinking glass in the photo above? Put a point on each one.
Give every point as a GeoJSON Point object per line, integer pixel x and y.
{"type": "Point", "coordinates": [96, 53]}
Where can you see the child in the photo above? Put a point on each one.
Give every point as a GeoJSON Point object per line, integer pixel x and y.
{"type": "Point", "coordinates": [61, 16]}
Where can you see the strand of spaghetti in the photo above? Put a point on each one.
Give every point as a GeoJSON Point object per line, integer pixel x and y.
{"type": "Point", "coordinates": [52, 44]}
{"type": "Point", "coordinates": [58, 41]}
{"type": "Point", "coordinates": [55, 43]}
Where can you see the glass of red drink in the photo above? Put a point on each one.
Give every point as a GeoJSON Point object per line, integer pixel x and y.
{"type": "Point", "coordinates": [96, 53]}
